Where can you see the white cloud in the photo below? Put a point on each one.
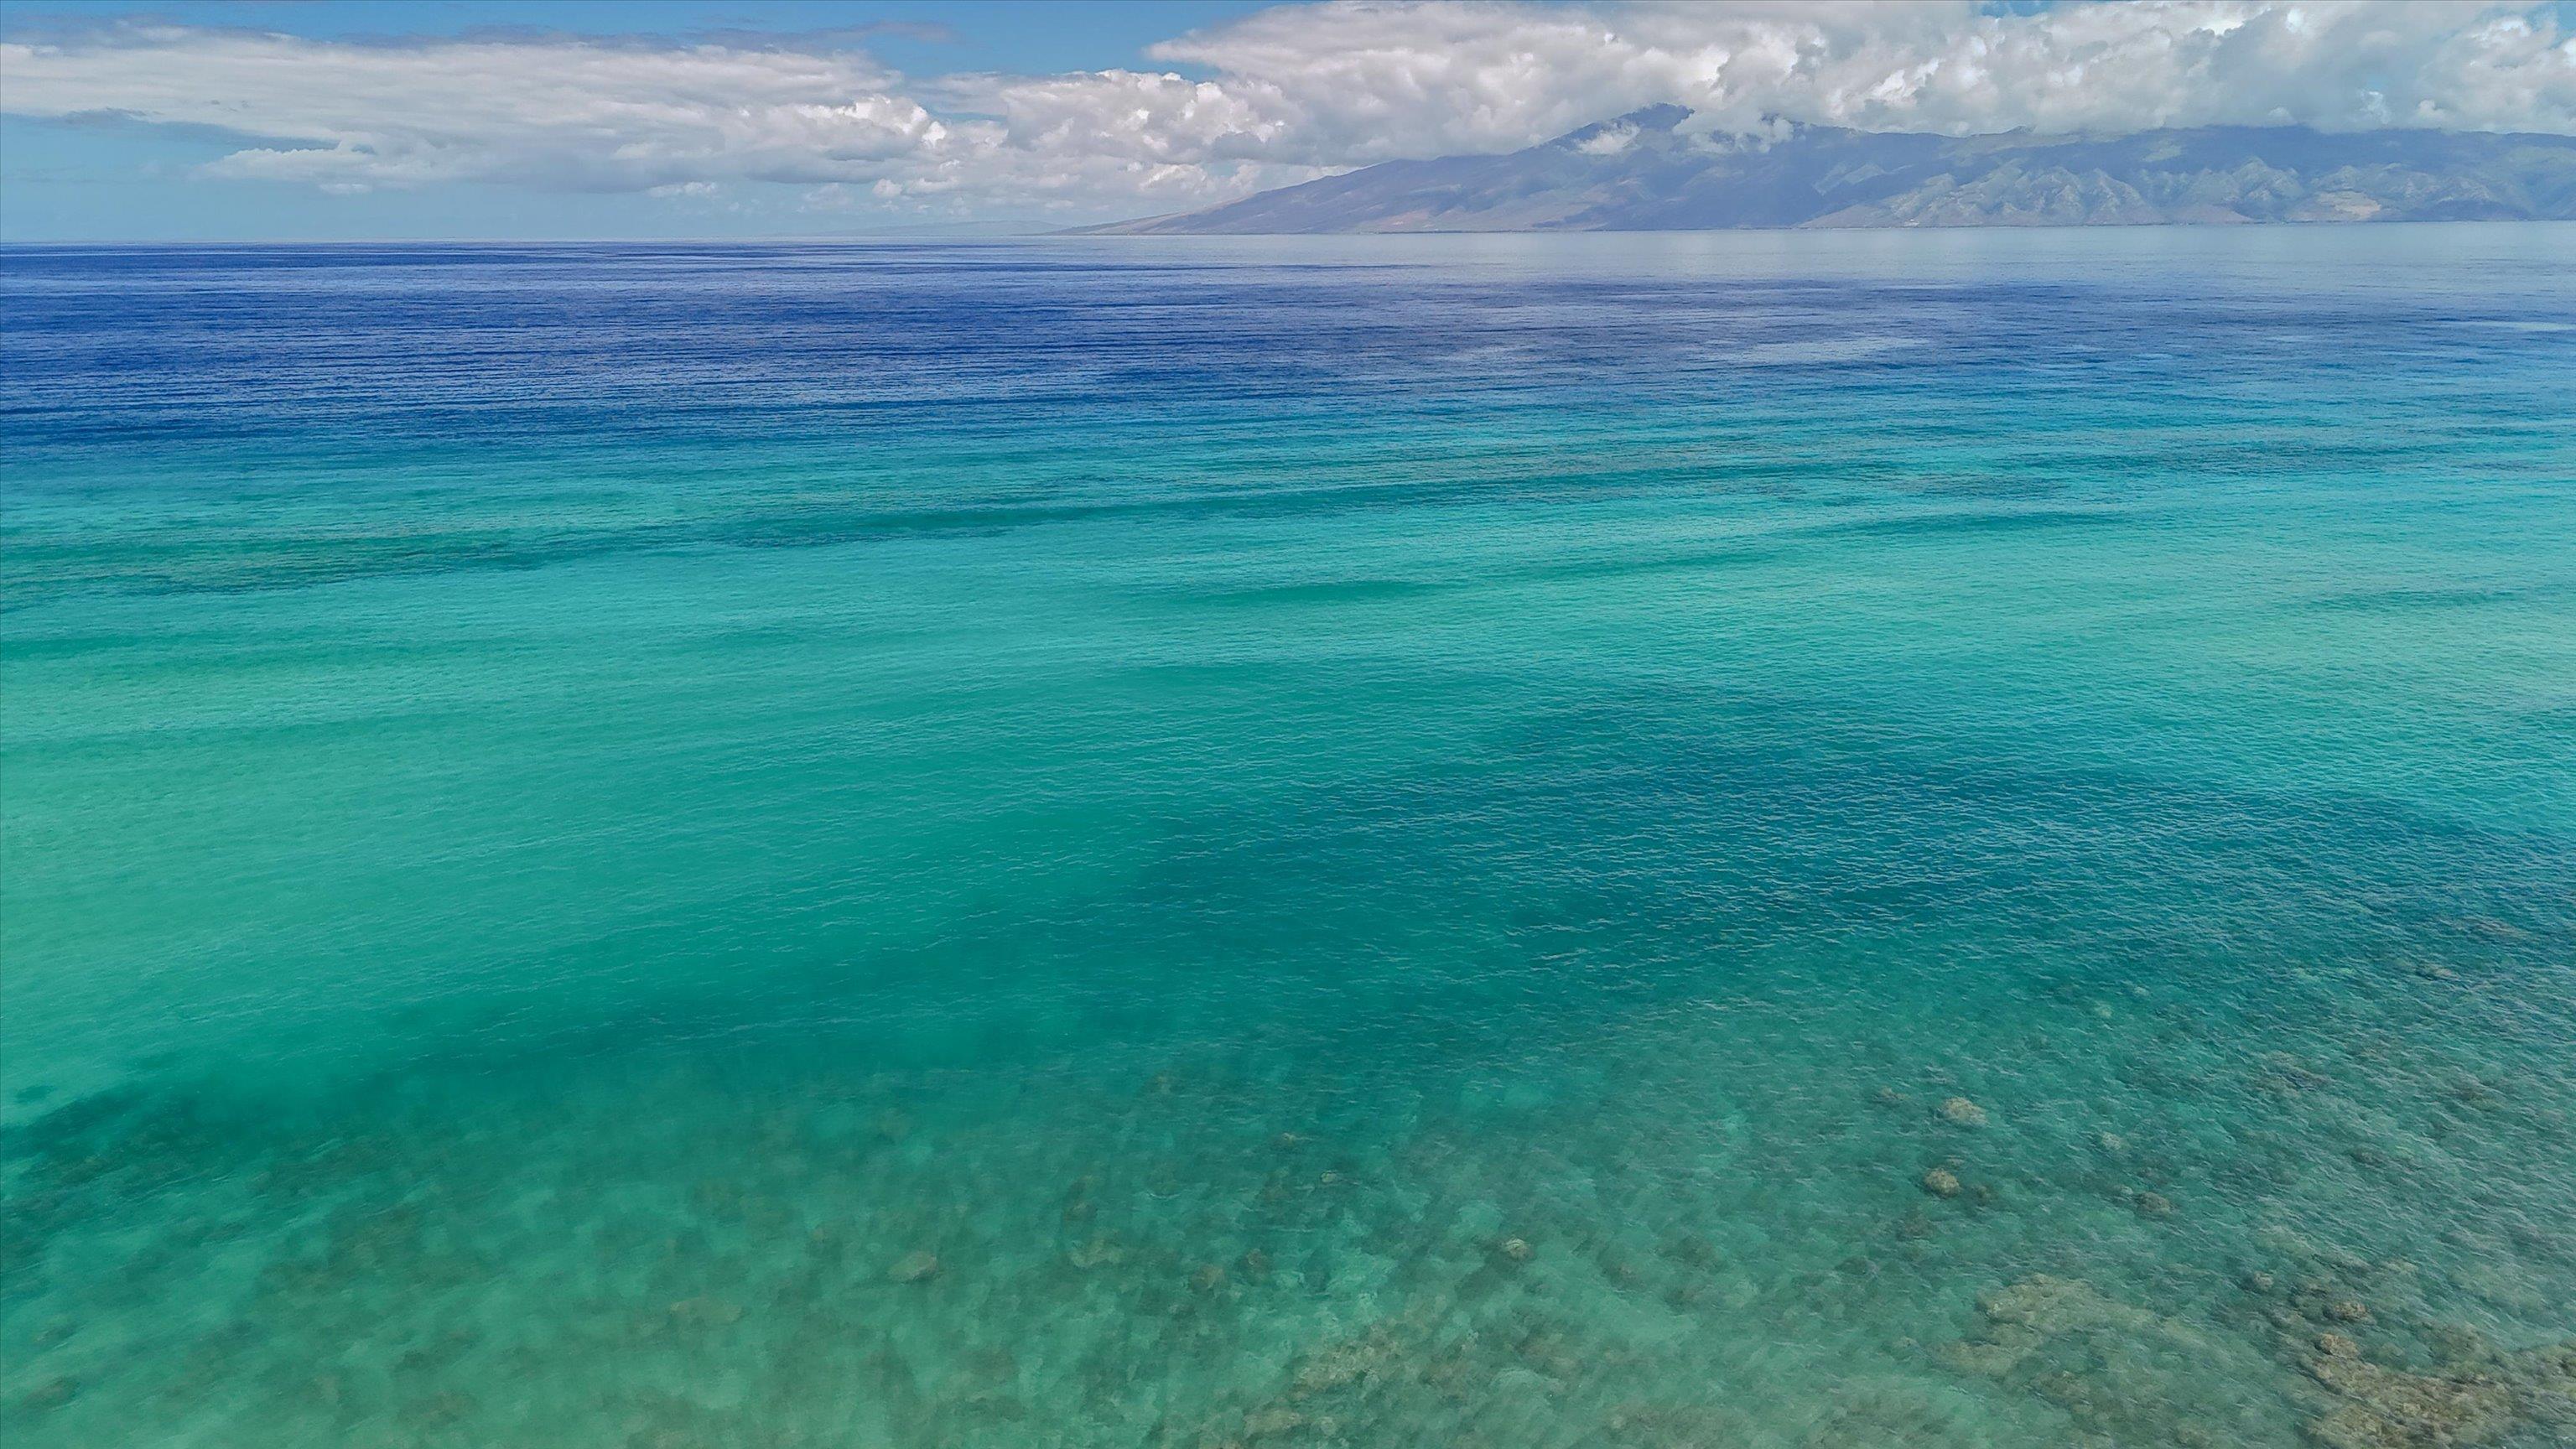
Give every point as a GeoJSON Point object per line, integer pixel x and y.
{"type": "Point", "coordinates": [1360, 81]}
{"type": "Point", "coordinates": [1608, 141]}
{"type": "Point", "coordinates": [1281, 95]}
{"type": "Point", "coordinates": [557, 112]}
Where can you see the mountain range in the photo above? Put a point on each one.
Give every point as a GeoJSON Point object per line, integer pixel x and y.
{"type": "Point", "coordinates": [1651, 170]}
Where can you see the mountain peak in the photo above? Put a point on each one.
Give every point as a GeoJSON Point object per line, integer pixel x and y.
{"type": "Point", "coordinates": [1656, 118]}
{"type": "Point", "coordinates": [1610, 137]}
{"type": "Point", "coordinates": [1636, 172]}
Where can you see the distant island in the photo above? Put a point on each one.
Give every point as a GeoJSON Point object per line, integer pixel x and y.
{"type": "Point", "coordinates": [1652, 171]}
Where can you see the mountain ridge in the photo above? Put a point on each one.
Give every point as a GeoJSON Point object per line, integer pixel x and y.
{"type": "Point", "coordinates": [1646, 171]}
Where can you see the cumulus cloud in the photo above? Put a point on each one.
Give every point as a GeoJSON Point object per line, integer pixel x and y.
{"type": "Point", "coordinates": [1280, 95]}
{"type": "Point", "coordinates": [1360, 81]}
{"type": "Point", "coordinates": [562, 112]}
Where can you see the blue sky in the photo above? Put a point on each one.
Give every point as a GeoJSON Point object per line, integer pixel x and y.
{"type": "Point", "coordinates": [466, 118]}
{"type": "Point", "coordinates": [925, 36]}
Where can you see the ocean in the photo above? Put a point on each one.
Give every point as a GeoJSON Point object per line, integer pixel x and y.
{"type": "Point", "coordinates": [1865, 839]}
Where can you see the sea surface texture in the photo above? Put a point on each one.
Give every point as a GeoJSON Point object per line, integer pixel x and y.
{"type": "Point", "coordinates": [1926, 840]}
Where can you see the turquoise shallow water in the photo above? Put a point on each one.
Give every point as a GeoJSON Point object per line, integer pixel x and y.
{"type": "Point", "coordinates": [1745, 840]}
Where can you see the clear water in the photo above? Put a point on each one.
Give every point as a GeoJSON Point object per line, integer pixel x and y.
{"type": "Point", "coordinates": [1293, 843]}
